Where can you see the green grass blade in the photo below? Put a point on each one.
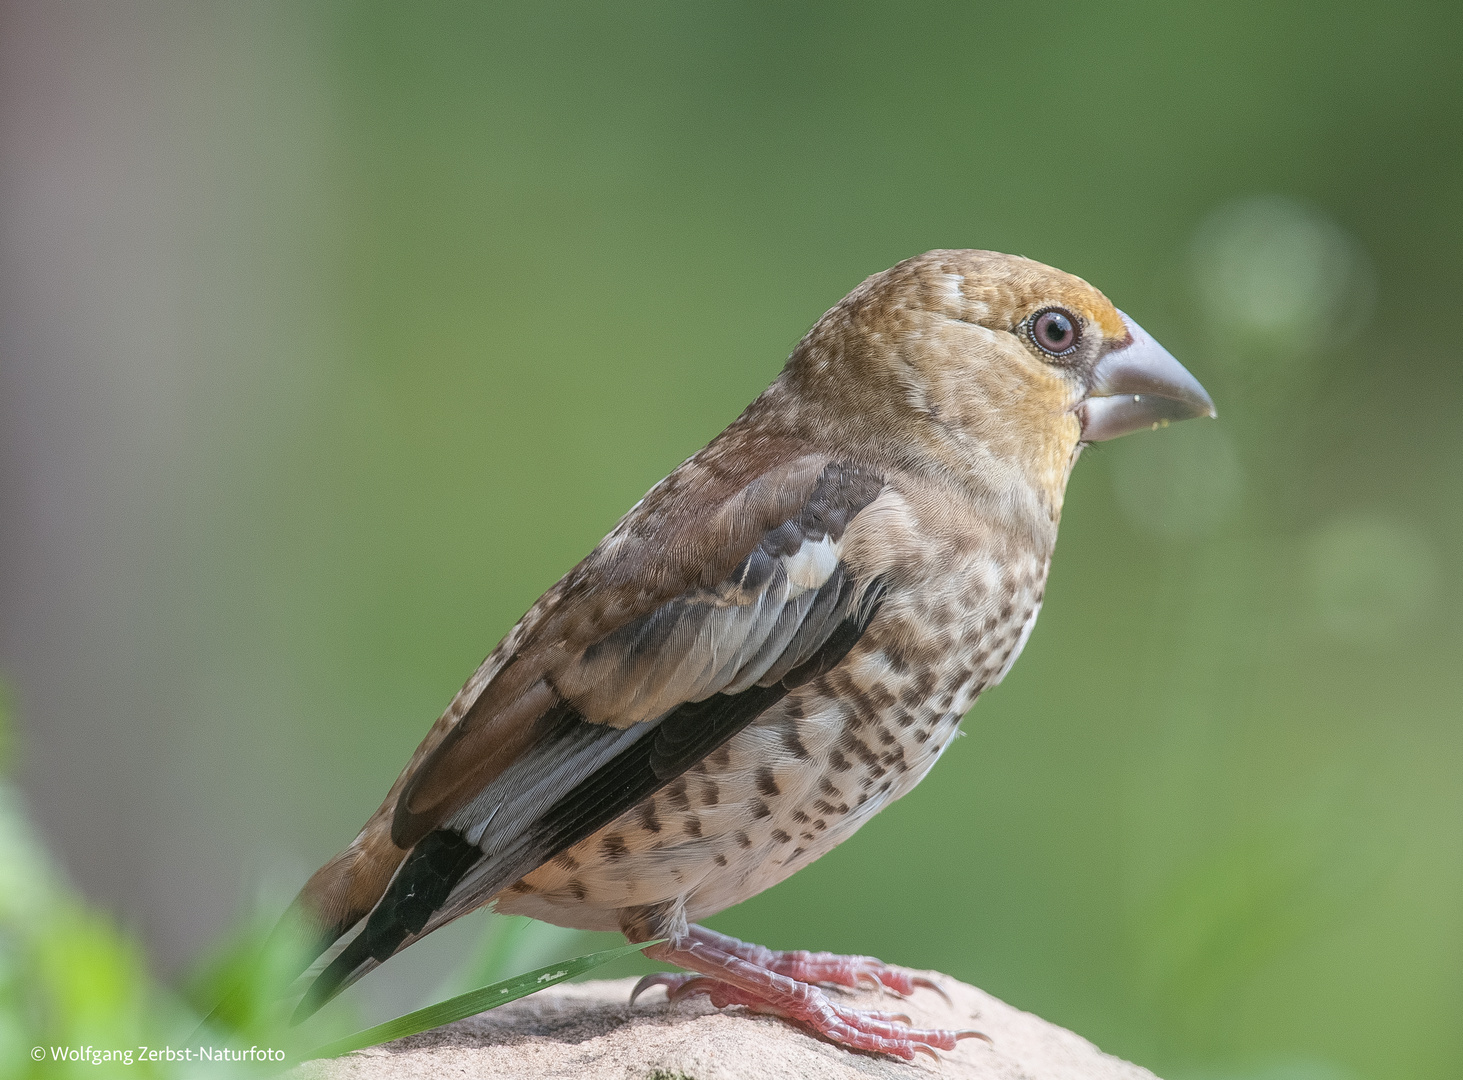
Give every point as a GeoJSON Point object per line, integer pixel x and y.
{"type": "Point", "coordinates": [473, 1002]}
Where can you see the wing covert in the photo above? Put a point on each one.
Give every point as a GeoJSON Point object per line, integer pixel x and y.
{"type": "Point", "coordinates": [768, 614]}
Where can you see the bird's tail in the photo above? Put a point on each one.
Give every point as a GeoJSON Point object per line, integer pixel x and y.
{"type": "Point", "coordinates": [417, 901]}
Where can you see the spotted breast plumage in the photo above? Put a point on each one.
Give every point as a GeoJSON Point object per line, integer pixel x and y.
{"type": "Point", "coordinates": [779, 640]}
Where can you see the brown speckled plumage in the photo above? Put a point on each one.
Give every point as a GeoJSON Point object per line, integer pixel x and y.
{"type": "Point", "coordinates": [777, 641]}
{"type": "Point", "coordinates": [822, 761]}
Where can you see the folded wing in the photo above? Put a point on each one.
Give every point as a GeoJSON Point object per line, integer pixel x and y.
{"type": "Point", "coordinates": [679, 631]}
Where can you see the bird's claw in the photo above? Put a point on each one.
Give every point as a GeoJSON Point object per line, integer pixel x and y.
{"type": "Point", "coordinates": [930, 984]}
{"type": "Point", "coordinates": [698, 984]}
{"type": "Point", "coordinates": [672, 982]}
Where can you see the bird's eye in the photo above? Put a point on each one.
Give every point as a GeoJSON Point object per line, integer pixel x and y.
{"type": "Point", "coordinates": [1055, 332]}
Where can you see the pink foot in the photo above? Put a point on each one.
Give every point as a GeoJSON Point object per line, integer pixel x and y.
{"type": "Point", "coordinates": [854, 972]}
{"type": "Point", "coordinates": [734, 978]}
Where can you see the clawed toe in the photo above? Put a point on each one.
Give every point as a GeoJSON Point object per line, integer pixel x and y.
{"type": "Point", "coordinates": [930, 984]}
{"type": "Point", "coordinates": [888, 1033]}
{"type": "Point", "coordinates": [860, 973]}
{"type": "Point", "coordinates": [674, 984]}
{"type": "Point", "coordinates": [692, 987]}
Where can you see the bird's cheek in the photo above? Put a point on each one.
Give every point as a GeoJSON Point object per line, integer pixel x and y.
{"type": "Point", "coordinates": [1061, 455]}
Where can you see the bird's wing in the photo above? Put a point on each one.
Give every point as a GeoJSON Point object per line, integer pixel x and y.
{"type": "Point", "coordinates": [694, 616]}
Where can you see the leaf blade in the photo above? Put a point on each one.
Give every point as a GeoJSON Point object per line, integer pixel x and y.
{"type": "Point", "coordinates": [474, 1002]}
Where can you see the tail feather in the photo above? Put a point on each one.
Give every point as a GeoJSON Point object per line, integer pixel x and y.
{"type": "Point", "coordinates": [426, 879]}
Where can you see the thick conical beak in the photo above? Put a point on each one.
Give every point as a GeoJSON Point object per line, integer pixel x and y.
{"type": "Point", "coordinates": [1137, 386]}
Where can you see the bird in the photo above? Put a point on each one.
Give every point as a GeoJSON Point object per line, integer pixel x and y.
{"type": "Point", "coordinates": [778, 641]}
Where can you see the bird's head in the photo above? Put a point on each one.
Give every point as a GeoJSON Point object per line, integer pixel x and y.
{"type": "Point", "coordinates": [991, 366]}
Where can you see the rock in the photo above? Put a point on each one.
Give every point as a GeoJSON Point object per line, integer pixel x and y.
{"type": "Point", "coordinates": [589, 1032]}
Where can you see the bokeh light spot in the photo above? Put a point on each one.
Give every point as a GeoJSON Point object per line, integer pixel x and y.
{"type": "Point", "coordinates": [1277, 275]}
{"type": "Point", "coordinates": [1371, 577]}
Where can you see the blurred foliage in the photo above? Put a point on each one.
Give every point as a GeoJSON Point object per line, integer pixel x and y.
{"type": "Point", "coordinates": [76, 987]}
{"type": "Point", "coordinates": [534, 256]}
{"type": "Point", "coordinates": [480, 1000]}
{"type": "Point", "coordinates": [68, 976]}
{"type": "Point", "coordinates": [238, 985]}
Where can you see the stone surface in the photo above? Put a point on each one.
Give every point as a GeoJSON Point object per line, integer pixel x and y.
{"type": "Point", "coordinates": [589, 1032]}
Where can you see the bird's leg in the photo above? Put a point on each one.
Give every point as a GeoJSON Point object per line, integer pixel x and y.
{"type": "Point", "coordinates": [729, 978]}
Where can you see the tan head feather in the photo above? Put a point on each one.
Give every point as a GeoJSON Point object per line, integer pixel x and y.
{"type": "Point", "coordinates": [932, 360]}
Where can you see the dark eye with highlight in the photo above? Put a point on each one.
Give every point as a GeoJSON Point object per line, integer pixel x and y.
{"type": "Point", "coordinates": [1055, 332]}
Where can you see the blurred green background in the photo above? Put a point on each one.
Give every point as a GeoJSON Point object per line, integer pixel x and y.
{"type": "Point", "coordinates": [332, 334]}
